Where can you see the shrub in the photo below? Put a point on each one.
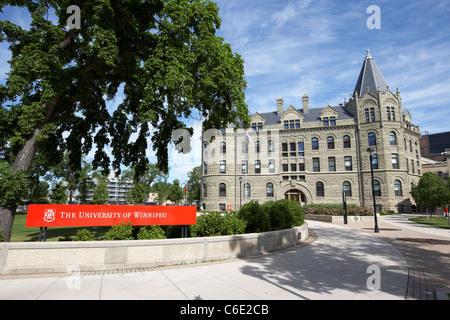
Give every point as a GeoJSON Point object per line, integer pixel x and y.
{"type": "Point", "coordinates": [258, 220]}
{"type": "Point", "coordinates": [1, 235]}
{"type": "Point", "coordinates": [336, 211]}
{"type": "Point", "coordinates": [151, 232]}
{"type": "Point", "coordinates": [83, 235]}
{"type": "Point", "coordinates": [217, 224]}
{"type": "Point", "coordinates": [284, 214]}
{"type": "Point", "coordinates": [119, 232]}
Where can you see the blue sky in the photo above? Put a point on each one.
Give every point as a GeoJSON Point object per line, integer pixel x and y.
{"type": "Point", "coordinates": [318, 47]}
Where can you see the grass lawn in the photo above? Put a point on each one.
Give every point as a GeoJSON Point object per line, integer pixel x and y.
{"type": "Point", "coordinates": [440, 222]}
{"type": "Point", "coordinates": [22, 234]}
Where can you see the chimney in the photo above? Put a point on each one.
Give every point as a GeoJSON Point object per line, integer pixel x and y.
{"type": "Point", "coordinates": [305, 100]}
{"type": "Point", "coordinates": [280, 106]}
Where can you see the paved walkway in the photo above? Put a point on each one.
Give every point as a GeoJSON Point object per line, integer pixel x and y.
{"type": "Point", "coordinates": [337, 265]}
{"type": "Point", "coordinates": [427, 252]}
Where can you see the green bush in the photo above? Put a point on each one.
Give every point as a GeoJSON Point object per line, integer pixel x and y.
{"type": "Point", "coordinates": [336, 211]}
{"type": "Point", "coordinates": [258, 220]}
{"type": "Point", "coordinates": [278, 215]}
{"type": "Point", "coordinates": [83, 235]}
{"type": "Point", "coordinates": [120, 232]}
{"type": "Point", "coordinates": [217, 224]}
{"type": "Point", "coordinates": [151, 232]}
{"type": "Point", "coordinates": [1, 235]}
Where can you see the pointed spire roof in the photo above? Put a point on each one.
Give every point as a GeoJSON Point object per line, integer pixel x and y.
{"type": "Point", "coordinates": [370, 77]}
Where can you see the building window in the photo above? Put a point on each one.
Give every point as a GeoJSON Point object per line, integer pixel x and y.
{"type": "Point", "coordinates": [332, 164]}
{"type": "Point", "coordinates": [390, 112]}
{"type": "Point", "coordinates": [348, 163]}
{"type": "Point", "coordinates": [258, 166]}
{"type": "Point", "coordinates": [372, 139]}
{"type": "Point", "coordinates": [301, 167]}
{"type": "Point", "coordinates": [285, 167]}
{"type": "Point", "coordinates": [271, 146]}
{"type": "Point", "coordinates": [223, 166]}
{"type": "Point", "coordinates": [223, 147]}
{"type": "Point", "coordinates": [316, 165]}
{"type": "Point", "coordinates": [222, 207]}
{"type": "Point", "coordinates": [412, 166]}
{"type": "Point", "coordinates": [410, 146]}
{"type": "Point", "coordinates": [332, 121]}
{"type": "Point", "coordinates": [244, 167]}
{"type": "Point", "coordinates": [257, 146]}
{"type": "Point", "coordinates": [292, 149]}
{"type": "Point", "coordinates": [284, 149]}
{"type": "Point", "coordinates": [293, 167]}
{"type": "Point", "coordinates": [315, 143]}
{"type": "Point", "coordinates": [377, 188]}
{"type": "Point", "coordinates": [372, 114]}
{"type": "Point", "coordinates": [393, 139]}
{"type": "Point", "coordinates": [222, 190]}
{"type": "Point", "coordinates": [269, 190]}
{"type": "Point", "coordinates": [320, 189]}
{"type": "Point", "coordinates": [374, 161]}
{"type": "Point", "coordinates": [286, 124]}
{"type": "Point", "coordinates": [297, 124]}
{"type": "Point", "coordinates": [301, 149]}
{"type": "Point", "coordinates": [326, 123]}
{"type": "Point", "coordinates": [330, 142]}
{"type": "Point", "coordinates": [367, 115]}
{"type": "Point", "coordinates": [205, 167]}
{"type": "Point", "coordinates": [347, 143]}
{"type": "Point", "coordinates": [205, 149]}
{"type": "Point", "coordinates": [394, 158]}
{"type": "Point", "coordinates": [291, 124]}
{"type": "Point", "coordinates": [271, 166]}
{"type": "Point", "coordinates": [398, 188]}
{"type": "Point", "coordinates": [244, 147]}
{"type": "Point", "coordinates": [260, 126]}
{"type": "Point", "coordinates": [247, 190]}
{"type": "Point", "coordinates": [347, 187]}
{"type": "Point", "coordinates": [205, 190]}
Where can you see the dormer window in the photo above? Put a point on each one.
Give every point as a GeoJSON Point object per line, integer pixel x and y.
{"type": "Point", "coordinates": [257, 126]}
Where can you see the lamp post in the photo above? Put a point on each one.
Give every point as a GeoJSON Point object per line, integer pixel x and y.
{"type": "Point", "coordinates": [240, 192]}
{"type": "Point", "coordinates": [370, 150]}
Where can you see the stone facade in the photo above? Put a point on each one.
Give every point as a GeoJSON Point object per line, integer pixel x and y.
{"type": "Point", "coordinates": [311, 155]}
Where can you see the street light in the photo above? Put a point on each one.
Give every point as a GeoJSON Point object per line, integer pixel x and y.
{"type": "Point", "coordinates": [370, 150]}
{"type": "Point", "coordinates": [240, 192]}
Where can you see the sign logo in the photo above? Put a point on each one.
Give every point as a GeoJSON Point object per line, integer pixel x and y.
{"type": "Point", "coordinates": [49, 215]}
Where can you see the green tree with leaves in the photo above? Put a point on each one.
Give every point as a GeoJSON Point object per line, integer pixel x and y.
{"type": "Point", "coordinates": [430, 192]}
{"type": "Point", "coordinates": [100, 193]}
{"type": "Point", "coordinates": [164, 54]}
{"type": "Point", "coordinates": [176, 192]}
{"type": "Point", "coordinates": [194, 184]}
{"type": "Point", "coordinates": [59, 195]}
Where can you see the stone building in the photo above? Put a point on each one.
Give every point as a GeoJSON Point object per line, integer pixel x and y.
{"type": "Point", "coordinates": [313, 155]}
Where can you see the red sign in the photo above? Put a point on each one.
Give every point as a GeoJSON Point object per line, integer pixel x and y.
{"type": "Point", "coordinates": [63, 215]}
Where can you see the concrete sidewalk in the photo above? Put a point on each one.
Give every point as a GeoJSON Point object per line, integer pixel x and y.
{"type": "Point", "coordinates": [426, 250]}
{"type": "Point", "coordinates": [334, 266]}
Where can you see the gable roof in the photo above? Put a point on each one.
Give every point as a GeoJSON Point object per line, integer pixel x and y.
{"type": "Point", "coordinates": [370, 77]}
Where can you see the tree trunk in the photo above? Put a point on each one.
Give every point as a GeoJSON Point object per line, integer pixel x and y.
{"type": "Point", "coordinates": [22, 162]}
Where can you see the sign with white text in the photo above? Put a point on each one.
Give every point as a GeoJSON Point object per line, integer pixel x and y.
{"type": "Point", "coordinates": [63, 215]}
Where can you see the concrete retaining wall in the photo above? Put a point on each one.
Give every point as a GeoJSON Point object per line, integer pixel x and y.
{"type": "Point", "coordinates": [50, 257]}
{"type": "Point", "coordinates": [339, 219]}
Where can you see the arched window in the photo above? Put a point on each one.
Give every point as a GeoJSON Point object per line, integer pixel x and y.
{"type": "Point", "coordinates": [377, 188]}
{"type": "Point", "coordinates": [257, 146]}
{"type": "Point", "coordinates": [205, 149]}
{"type": "Point", "coordinates": [330, 142]}
{"type": "Point", "coordinates": [315, 143]}
{"type": "Point", "coordinates": [347, 188]}
{"type": "Point", "coordinates": [223, 147]}
{"type": "Point", "coordinates": [320, 189]}
{"type": "Point", "coordinates": [205, 190]}
{"type": "Point", "coordinates": [347, 143]}
{"type": "Point", "coordinates": [222, 190]}
{"type": "Point", "coordinates": [247, 192]}
{"type": "Point", "coordinates": [372, 139]}
{"type": "Point", "coordinates": [398, 188]}
{"type": "Point", "coordinates": [269, 190]}
{"type": "Point", "coordinates": [393, 138]}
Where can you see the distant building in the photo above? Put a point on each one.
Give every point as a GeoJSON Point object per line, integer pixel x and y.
{"type": "Point", "coordinates": [432, 146]}
{"type": "Point", "coordinates": [313, 155]}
